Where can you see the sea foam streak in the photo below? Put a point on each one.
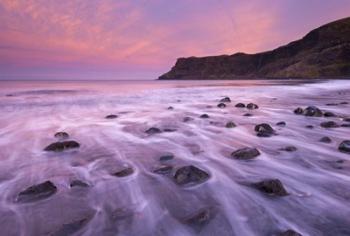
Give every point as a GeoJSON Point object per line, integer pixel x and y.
{"type": "Point", "coordinates": [316, 175]}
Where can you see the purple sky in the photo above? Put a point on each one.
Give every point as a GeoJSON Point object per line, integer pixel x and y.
{"type": "Point", "coordinates": [140, 39]}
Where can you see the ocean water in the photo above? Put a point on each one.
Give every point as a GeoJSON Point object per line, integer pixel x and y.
{"type": "Point", "coordinates": [316, 175]}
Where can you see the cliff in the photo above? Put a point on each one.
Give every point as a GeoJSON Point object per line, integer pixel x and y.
{"type": "Point", "coordinates": [322, 53]}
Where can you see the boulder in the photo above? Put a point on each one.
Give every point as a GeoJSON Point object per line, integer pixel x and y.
{"type": "Point", "coordinates": [298, 111]}
{"type": "Point", "coordinates": [252, 106]}
{"type": "Point", "coordinates": [289, 232]}
{"type": "Point", "coordinates": [61, 135]}
{"type": "Point", "coordinates": [221, 105]}
{"type": "Point", "coordinates": [61, 146]}
{"type": "Point", "coordinates": [329, 124]}
{"type": "Point", "coordinates": [230, 124]}
{"type": "Point", "coordinates": [225, 99]}
{"type": "Point", "coordinates": [264, 130]}
{"type": "Point", "coordinates": [111, 116]}
{"type": "Point", "coordinates": [190, 175]}
{"type": "Point", "coordinates": [312, 111]}
{"type": "Point", "coordinates": [325, 140]}
{"type": "Point", "coordinates": [125, 172]}
{"type": "Point", "coordinates": [153, 130]}
{"type": "Point", "coordinates": [240, 105]}
{"type": "Point", "coordinates": [204, 116]}
{"type": "Point", "coordinates": [272, 187]}
{"type": "Point", "coordinates": [37, 192]}
{"type": "Point", "coordinates": [344, 146]}
{"type": "Point", "coordinates": [245, 153]}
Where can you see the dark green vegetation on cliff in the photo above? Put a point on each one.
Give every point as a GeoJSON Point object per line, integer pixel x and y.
{"type": "Point", "coordinates": [322, 53]}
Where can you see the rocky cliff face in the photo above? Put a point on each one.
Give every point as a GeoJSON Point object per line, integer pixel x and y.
{"type": "Point", "coordinates": [324, 52]}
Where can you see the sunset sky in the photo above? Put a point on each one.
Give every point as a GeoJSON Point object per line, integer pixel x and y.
{"type": "Point", "coordinates": [141, 39]}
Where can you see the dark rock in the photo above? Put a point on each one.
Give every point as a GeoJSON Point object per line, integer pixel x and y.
{"type": "Point", "coordinates": [61, 135]}
{"type": "Point", "coordinates": [37, 192]}
{"type": "Point", "coordinates": [125, 172]}
{"type": "Point", "coordinates": [187, 119]}
{"type": "Point", "coordinates": [246, 153]}
{"type": "Point", "coordinates": [343, 103]}
{"type": "Point", "coordinates": [230, 124]}
{"type": "Point", "coordinates": [329, 114]}
{"type": "Point", "coordinates": [329, 124]}
{"type": "Point", "coordinates": [272, 187]}
{"type": "Point", "coordinates": [332, 104]}
{"type": "Point", "coordinates": [170, 108]}
{"type": "Point", "coordinates": [312, 111]}
{"type": "Point", "coordinates": [61, 146]}
{"type": "Point", "coordinates": [225, 99]}
{"type": "Point", "coordinates": [9, 95]}
{"type": "Point", "coordinates": [264, 130]}
{"type": "Point", "coordinates": [240, 105]}
{"type": "Point", "coordinates": [289, 149]}
{"type": "Point", "coordinates": [345, 125]}
{"type": "Point", "coordinates": [153, 130]}
{"type": "Point", "coordinates": [163, 169]}
{"type": "Point", "coordinates": [344, 146]}
{"type": "Point", "coordinates": [204, 116]}
{"type": "Point", "coordinates": [346, 119]}
{"type": "Point", "coordinates": [111, 116]}
{"type": "Point", "coordinates": [325, 140]}
{"type": "Point", "coordinates": [252, 106]}
{"type": "Point", "coordinates": [221, 105]}
{"type": "Point", "coordinates": [199, 219]}
{"type": "Point", "coordinates": [72, 227]}
{"type": "Point", "coordinates": [298, 111]}
{"type": "Point", "coordinates": [78, 183]}
{"type": "Point", "coordinates": [248, 114]}
{"type": "Point", "coordinates": [169, 130]}
{"type": "Point", "coordinates": [309, 126]}
{"type": "Point", "coordinates": [290, 233]}
{"type": "Point", "coordinates": [190, 175]}
{"type": "Point", "coordinates": [166, 157]}
{"type": "Point", "coordinates": [281, 123]}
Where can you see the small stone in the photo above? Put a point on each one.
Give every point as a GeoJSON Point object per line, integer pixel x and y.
{"type": "Point", "coordinates": [225, 99]}
{"type": "Point", "coordinates": [345, 125]}
{"type": "Point", "coordinates": [166, 157]}
{"type": "Point", "coordinates": [325, 140]}
{"type": "Point", "coordinates": [61, 146]}
{"type": "Point", "coordinates": [329, 124]}
{"type": "Point", "coordinates": [298, 111]}
{"type": "Point", "coordinates": [169, 130]}
{"type": "Point", "coordinates": [344, 103]}
{"type": "Point", "coordinates": [78, 183]}
{"type": "Point", "coordinates": [111, 116]}
{"type": "Point", "coordinates": [204, 116]}
{"type": "Point", "coordinates": [240, 105]}
{"type": "Point", "coordinates": [170, 108]}
{"type": "Point", "coordinates": [61, 135]}
{"type": "Point", "coordinates": [153, 130]}
{"type": "Point", "coordinates": [272, 187]}
{"type": "Point", "coordinates": [187, 119]}
{"type": "Point", "coordinates": [190, 175]}
{"type": "Point", "coordinates": [290, 232]}
{"type": "Point", "coordinates": [346, 119]}
{"type": "Point", "coordinates": [248, 114]}
{"type": "Point", "coordinates": [344, 146]}
{"type": "Point", "coordinates": [252, 106]}
{"type": "Point", "coordinates": [289, 149]}
{"type": "Point", "coordinates": [163, 169]}
{"type": "Point", "coordinates": [37, 192]}
{"type": "Point", "coordinates": [125, 172]}
{"type": "Point", "coordinates": [281, 123]}
{"type": "Point", "coordinates": [329, 114]}
{"type": "Point", "coordinates": [264, 130]}
{"type": "Point", "coordinates": [309, 126]}
{"type": "Point", "coordinates": [221, 105]}
{"type": "Point", "coordinates": [245, 153]}
{"type": "Point", "coordinates": [230, 124]}
{"type": "Point", "coordinates": [312, 111]}
{"type": "Point", "coordinates": [332, 104]}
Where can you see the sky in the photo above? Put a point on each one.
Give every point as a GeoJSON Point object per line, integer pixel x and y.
{"type": "Point", "coordinates": [141, 39]}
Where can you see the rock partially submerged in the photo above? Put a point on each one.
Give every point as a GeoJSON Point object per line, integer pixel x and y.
{"type": "Point", "coordinates": [225, 99]}
{"type": "Point", "coordinates": [112, 116]}
{"type": "Point", "coordinates": [289, 149]}
{"type": "Point", "coordinates": [199, 219]}
{"type": "Point", "coordinates": [230, 124]}
{"type": "Point", "coordinates": [62, 146]}
{"type": "Point", "coordinates": [245, 153]}
{"type": "Point", "coordinates": [204, 116]}
{"type": "Point", "coordinates": [78, 183]}
{"type": "Point", "coordinates": [37, 192]}
{"type": "Point", "coordinates": [153, 130]}
{"type": "Point", "coordinates": [290, 232]}
{"type": "Point", "coordinates": [329, 124]}
{"type": "Point", "coordinates": [163, 169]}
{"type": "Point", "coordinates": [325, 140]}
{"type": "Point", "coordinates": [221, 105]}
{"type": "Point", "coordinates": [344, 146]}
{"type": "Point", "coordinates": [272, 187]}
{"type": "Point", "coordinates": [281, 124]}
{"type": "Point", "coordinates": [187, 119]}
{"type": "Point", "coordinates": [61, 135]}
{"type": "Point", "coordinates": [312, 111]}
{"type": "Point", "coordinates": [329, 114]}
{"type": "Point", "coordinates": [72, 227]}
{"type": "Point", "coordinates": [264, 130]}
{"type": "Point", "coordinates": [190, 175]}
{"type": "Point", "coordinates": [240, 105]}
{"type": "Point", "coordinates": [125, 172]}
{"type": "Point", "coordinates": [298, 111]}
{"type": "Point", "coordinates": [252, 106]}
